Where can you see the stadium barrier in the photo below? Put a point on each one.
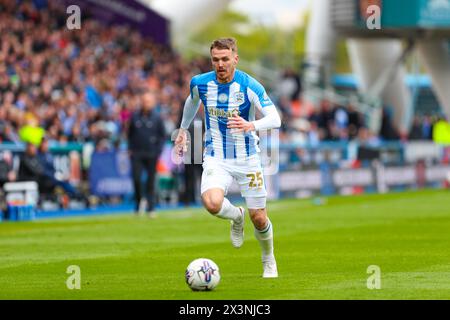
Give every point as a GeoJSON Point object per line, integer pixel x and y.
{"type": "Point", "coordinates": [304, 170]}
{"type": "Point", "coordinates": [67, 159]}
{"type": "Point", "coordinates": [108, 175]}
{"type": "Point", "coordinates": [351, 168]}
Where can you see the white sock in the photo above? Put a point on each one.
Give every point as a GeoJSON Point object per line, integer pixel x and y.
{"type": "Point", "coordinates": [228, 211]}
{"type": "Point", "coordinates": [265, 238]}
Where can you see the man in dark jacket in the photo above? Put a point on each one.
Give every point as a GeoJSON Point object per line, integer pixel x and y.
{"type": "Point", "coordinates": [146, 137]}
{"type": "Point", "coordinates": [48, 180]}
{"type": "Point", "coordinates": [36, 164]}
{"type": "Point", "coordinates": [31, 169]}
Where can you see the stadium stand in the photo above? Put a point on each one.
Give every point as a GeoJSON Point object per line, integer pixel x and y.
{"type": "Point", "coordinates": [80, 86]}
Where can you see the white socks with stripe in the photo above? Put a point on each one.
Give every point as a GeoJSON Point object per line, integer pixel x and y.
{"type": "Point", "coordinates": [265, 238]}
{"type": "Point", "coordinates": [230, 212]}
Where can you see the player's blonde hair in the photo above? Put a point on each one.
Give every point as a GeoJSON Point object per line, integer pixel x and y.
{"type": "Point", "coordinates": [224, 43]}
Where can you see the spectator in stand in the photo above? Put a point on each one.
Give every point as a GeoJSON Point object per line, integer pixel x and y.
{"type": "Point", "coordinates": [427, 127]}
{"type": "Point", "coordinates": [290, 85]}
{"type": "Point", "coordinates": [49, 179]}
{"type": "Point", "coordinates": [324, 118]}
{"type": "Point", "coordinates": [83, 84]}
{"type": "Point", "coordinates": [341, 117]}
{"type": "Point", "coordinates": [355, 121]}
{"type": "Point", "coordinates": [38, 166]}
{"type": "Point", "coordinates": [7, 173]}
{"type": "Point", "coordinates": [416, 132]}
{"type": "Point", "coordinates": [368, 138]}
{"type": "Point", "coordinates": [30, 168]}
{"type": "Point", "coordinates": [387, 130]}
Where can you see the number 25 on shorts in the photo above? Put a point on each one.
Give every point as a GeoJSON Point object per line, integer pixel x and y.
{"type": "Point", "coordinates": [256, 180]}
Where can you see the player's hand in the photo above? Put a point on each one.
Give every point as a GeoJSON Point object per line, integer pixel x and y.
{"type": "Point", "coordinates": [240, 124]}
{"type": "Point", "coordinates": [181, 142]}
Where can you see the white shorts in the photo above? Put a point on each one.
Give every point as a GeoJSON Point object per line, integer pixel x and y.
{"type": "Point", "coordinates": [219, 173]}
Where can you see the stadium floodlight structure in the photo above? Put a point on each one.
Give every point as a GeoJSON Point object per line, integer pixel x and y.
{"type": "Point", "coordinates": [187, 17]}
{"type": "Point", "coordinates": [378, 54]}
{"type": "Point", "coordinates": [191, 19]}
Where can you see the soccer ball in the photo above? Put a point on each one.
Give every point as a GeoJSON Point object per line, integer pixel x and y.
{"type": "Point", "coordinates": [202, 275]}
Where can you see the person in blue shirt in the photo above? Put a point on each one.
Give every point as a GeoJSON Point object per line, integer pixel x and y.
{"type": "Point", "coordinates": [231, 98]}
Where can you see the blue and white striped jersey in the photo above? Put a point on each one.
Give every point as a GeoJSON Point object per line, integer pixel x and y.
{"type": "Point", "coordinates": [244, 95]}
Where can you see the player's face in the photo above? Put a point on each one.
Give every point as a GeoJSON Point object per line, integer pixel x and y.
{"type": "Point", "coordinates": [224, 62]}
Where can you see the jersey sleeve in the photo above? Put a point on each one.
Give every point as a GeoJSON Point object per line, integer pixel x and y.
{"type": "Point", "coordinates": [271, 119]}
{"type": "Point", "coordinates": [193, 88]}
{"type": "Point", "coordinates": [261, 101]}
{"type": "Point", "coordinates": [258, 95]}
{"type": "Point", "coordinates": [191, 105]}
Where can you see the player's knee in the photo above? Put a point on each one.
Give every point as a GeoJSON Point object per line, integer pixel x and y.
{"type": "Point", "coordinates": [260, 223]}
{"type": "Point", "coordinates": [259, 219]}
{"type": "Point", "coordinates": [213, 207]}
{"type": "Point", "coordinates": [212, 204]}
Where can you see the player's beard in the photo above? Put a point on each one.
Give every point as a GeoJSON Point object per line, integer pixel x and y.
{"type": "Point", "coordinates": [223, 75]}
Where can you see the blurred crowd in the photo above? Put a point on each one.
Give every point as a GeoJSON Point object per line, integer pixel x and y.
{"type": "Point", "coordinates": [82, 85]}
{"type": "Point", "coordinates": [308, 124]}
{"type": "Point", "coordinates": [60, 85]}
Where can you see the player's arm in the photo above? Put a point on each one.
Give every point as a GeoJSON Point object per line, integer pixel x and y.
{"type": "Point", "coordinates": [191, 106]}
{"type": "Point", "coordinates": [261, 101]}
{"type": "Point", "coordinates": [270, 120]}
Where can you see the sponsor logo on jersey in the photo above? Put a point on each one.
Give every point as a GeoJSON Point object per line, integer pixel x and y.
{"type": "Point", "coordinates": [215, 112]}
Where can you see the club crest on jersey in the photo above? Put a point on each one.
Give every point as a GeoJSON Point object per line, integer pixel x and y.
{"type": "Point", "coordinates": [223, 97]}
{"type": "Point", "coordinates": [239, 96]}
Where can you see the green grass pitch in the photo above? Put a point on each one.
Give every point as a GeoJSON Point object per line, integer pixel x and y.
{"type": "Point", "coordinates": [323, 252]}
